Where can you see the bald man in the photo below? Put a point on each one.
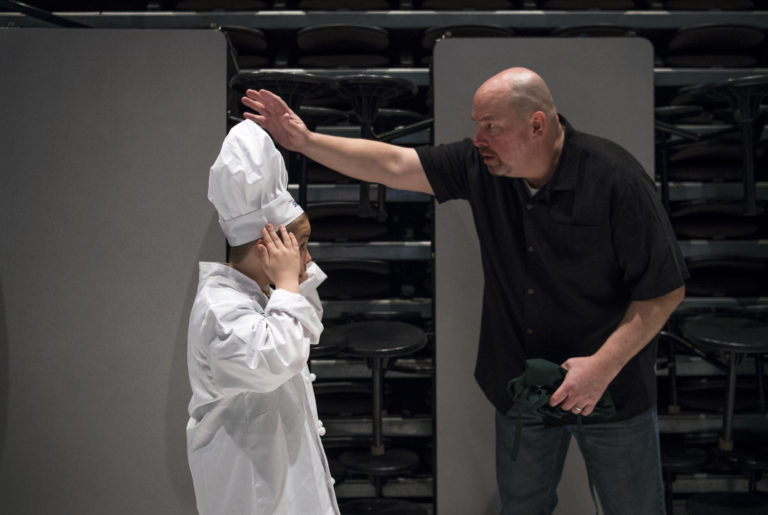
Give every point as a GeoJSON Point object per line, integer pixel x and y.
{"type": "Point", "coordinates": [581, 268]}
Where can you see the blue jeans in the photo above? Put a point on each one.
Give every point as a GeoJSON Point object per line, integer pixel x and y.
{"type": "Point", "coordinates": [623, 462]}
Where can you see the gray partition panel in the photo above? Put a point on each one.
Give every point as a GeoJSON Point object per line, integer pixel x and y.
{"type": "Point", "coordinates": [107, 137]}
{"type": "Point", "coordinates": [602, 86]}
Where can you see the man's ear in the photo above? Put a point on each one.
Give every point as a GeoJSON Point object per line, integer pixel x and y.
{"type": "Point", "coordinates": [538, 123]}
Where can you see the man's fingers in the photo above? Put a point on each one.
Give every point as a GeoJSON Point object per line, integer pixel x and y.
{"type": "Point", "coordinates": [260, 120]}
{"type": "Point", "coordinates": [267, 96]}
{"type": "Point", "coordinates": [253, 104]}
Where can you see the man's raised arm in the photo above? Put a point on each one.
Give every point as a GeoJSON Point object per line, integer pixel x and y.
{"type": "Point", "coordinates": [367, 160]}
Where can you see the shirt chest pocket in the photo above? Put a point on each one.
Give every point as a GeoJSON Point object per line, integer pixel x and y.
{"type": "Point", "coordinates": [577, 244]}
{"type": "Point", "coordinates": [571, 231]}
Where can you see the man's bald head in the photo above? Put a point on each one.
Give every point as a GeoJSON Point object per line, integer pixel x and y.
{"type": "Point", "coordinates": [524, 89]}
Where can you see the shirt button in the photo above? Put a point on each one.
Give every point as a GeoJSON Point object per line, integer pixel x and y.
{"type": "Point", "coordinates": [529, 206]}
{"type": "Point", "coordinates": [530, 331]}
{"type": "Point", "coordinates": [530, 291]}
{"type": "Point", "coordinates": [312, 377]}
{"type": "Point", "coordinates": [530, 249]}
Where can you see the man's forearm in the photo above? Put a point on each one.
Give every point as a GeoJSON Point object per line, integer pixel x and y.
{"type": "Point", "coordinates": [643, 320]}
{"type": "Point", "coordinates": [368, 160]}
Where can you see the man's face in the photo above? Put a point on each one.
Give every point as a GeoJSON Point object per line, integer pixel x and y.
{"type": "Point", "coordinates": [501, 136]}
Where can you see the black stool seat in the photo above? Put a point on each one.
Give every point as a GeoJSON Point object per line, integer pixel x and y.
{"type": "Point", "coordinates": [716, 38]}
{"type": "Point", "coordinates": [340, 221]}
{"type": "Point", "coordinates": [414, 367]}
{"type": "Point", "coordinates": [714, 45]}
{"type": "Point", "coordinates": [384, 339]}
{"type": "Point", "coordinates": [336, 45]}
{"type": "Point", "coordinates": [743, 95]}
{"type": "Point", "coordinates": [726, 276]}
{"type": "Point", "coordinates": [749, 457]}
{"type": "Point", "coordinates": [343, 398]}
{"type": "Point", "coordinates": [732, 336]}
{"type": "Point", "coordinates": [677, 458]}
{"type": "Point", "coordinates": [433, 34]}
{"type": "Point", "coordinates": [675, 112]}
{"type": "Point", "coordinates": [315, 116]}
{"type": "Point", "coordinates": [594, 31]}
{"type": "Point", "coordinates": [337, 37]}
{"type": "Point", "coordinates": [458, 5]}
{"type": "Point", "coordinates": [728, 503]}
{"type": "Point", "coordinates": [726, 87]}
{"type": "Point", "coordinates": [356, 279]}
{"type": "Point", "coordinates": [368, 93]}
{"type": "Point", "coordinates": [699, 5]}
{"type": "Point", "coordinates": [391, 462]}
{"type": "Point", "coordinates": [682, 458]}
{"type": "Point", "coordinates": [221, 5]}
{"type": "Point", "coordinates": [335, 444]}
{"type": "Point", "coordinates": [708, 161]}
{"type": "Point", "coordinates": [381, 506]}
{"type": "Point", "coordinates": [714, 220]}
{"type": "Point", "coordinates": [710, 61]}
{"type": "Point", "coordinates": [246, 40]}
{"type": "Point", "coordinates": [727, 333]}
{"type": "Point", "coordinates": [293, 88]}
{"type": "Point", "coordinates": [706, 395]}
{"type": "Point", "coordinates": [726, 115]}
{"type": "Point", "coordinates": [588, 4]}
{"type": "Point", "coordinates": [352, 5]}
{"type": "Point", "coordinates": [332, 341]}
{"type": "Point", "coordinates": [388, 119]}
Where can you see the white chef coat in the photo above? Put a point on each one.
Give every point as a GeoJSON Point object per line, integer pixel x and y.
{"type": "Point", "coordinates": [253, 437]}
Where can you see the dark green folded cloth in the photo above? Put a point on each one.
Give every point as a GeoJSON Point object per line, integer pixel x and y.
{"type": "Point", "coordinates": [537, 384]}
{"type": "Point", "coordinates": [534, 387]}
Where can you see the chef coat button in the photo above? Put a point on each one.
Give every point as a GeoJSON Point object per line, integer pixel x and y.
{"type": "Point", "coordinates": [333, 481]}
{"type": "Point", "coordinates": [321, 431]}
{"type": "Point", "coordinates": [529, 206]}
{"type": "Point", "coordinates": [312, 377]}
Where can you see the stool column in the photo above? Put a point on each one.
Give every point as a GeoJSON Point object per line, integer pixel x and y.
{"type": "Point", "coordinates": [726, 439]}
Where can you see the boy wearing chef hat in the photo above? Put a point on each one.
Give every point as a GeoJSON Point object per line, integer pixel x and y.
{"type": "Point", "coordinates": [253, 437]}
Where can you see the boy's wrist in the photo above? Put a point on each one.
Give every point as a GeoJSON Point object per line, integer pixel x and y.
{"type": "Point", "coordinates": [291, 285]}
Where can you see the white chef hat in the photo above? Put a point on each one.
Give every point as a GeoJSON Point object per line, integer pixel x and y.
{"type": "Point", "coordinates": [248, 185]}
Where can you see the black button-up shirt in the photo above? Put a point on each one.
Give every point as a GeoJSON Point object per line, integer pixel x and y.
{"type": "Point", "coordinates": [562, 266]}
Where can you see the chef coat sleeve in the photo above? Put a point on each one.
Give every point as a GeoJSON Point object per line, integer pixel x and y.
{"type": "Point", "coordinates": [315, 277]}
{"type": "Point", "coordinates": [259, 351]}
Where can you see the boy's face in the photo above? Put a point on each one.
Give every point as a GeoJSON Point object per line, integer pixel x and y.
{"type": "Point", "coordinates": [302, 230]}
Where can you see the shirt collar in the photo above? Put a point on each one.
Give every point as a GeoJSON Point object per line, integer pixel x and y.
{"type": "Point", "coordinates": [225, 272]}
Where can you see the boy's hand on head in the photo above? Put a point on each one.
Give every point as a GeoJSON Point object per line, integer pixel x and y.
{"type": "Point", "coordinates": [280, 257]}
